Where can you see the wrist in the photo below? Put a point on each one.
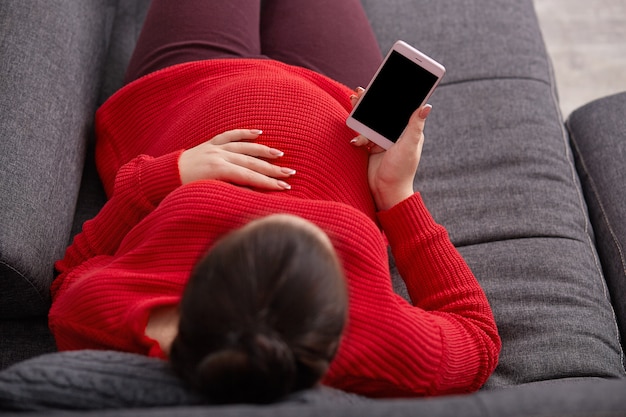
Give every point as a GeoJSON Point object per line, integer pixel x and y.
{"type": "Point", "coordinates": [387, 198]}
{"type": "Point", "coordinates": [159, 176]}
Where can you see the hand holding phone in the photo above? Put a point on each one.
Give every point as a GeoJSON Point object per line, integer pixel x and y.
{"type": "Point", "coordinates": [403, 82]}
{"type": "Point", "coordinates": [391, 173]}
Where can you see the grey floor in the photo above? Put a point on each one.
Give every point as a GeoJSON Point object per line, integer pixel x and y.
{"type": "Point", "coordinates": [586, 40]}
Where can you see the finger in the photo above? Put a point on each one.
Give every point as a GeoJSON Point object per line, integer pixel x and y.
{"type": "Point", "coordinates": [363, 142]}
{"type": "Point", "coordinates": [374, 148]}
{"type": "Point", "coordinates": [415, 127]}
{"type": "Point", "coordinates": [253, 149]}
{"type": "Point", "coordinates": [258, 165]}
{"type": "Point", "coordinates": [360, 141]}
{"type": "Point", "coordinates": [250, 178]}
{"type": "Point", "coordinates": [354, 98]}
{"type": "Point", "coordinates": [424, 111]}
{"type": "Point", "coordinates": [235, 135]}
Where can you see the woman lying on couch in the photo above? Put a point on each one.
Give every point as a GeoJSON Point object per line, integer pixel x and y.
{"type": "Point", "coordinates": [254, 260]}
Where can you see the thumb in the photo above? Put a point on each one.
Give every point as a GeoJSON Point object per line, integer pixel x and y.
{"type": "Point", "coordinates": [415, 128]}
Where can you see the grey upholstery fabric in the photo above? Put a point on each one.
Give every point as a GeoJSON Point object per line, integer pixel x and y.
{"type": "Point", "coordinates": [96, 380]}
{"type": "Point", "coordinates": [91, 380]}
{"type": "Point", "coordinates": [475, 39]}
{"type": "Point", "coordinates": [24, 338]}
{"type": "Point", "coordinates": [498, 173]}
{"type": "Point", "coordinates": [598, 136]}
{"type": "Point", "coordinates": [50, 70]}
{"type": "Point", "coordinates": [129, 18]}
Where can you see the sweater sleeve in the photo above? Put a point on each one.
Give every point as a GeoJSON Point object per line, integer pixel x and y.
{"type": "Point", "coordinates": [140, 185]}
{"type": "Point", "coordinates": [444, 342]}
{"type": "Point", "coordinates": [442, 286]}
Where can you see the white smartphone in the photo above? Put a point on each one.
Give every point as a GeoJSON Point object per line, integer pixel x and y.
{"type": "Point", "coordinates": [403, 82]}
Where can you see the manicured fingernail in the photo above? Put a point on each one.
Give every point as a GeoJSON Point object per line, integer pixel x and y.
{"type": "Point", "coordinates": [353, 97]}
{"type": "Point", "coordinates": [425, 111]}
{"type": "Point", "coordinates": [256, 131]}
{"type": "Point", "coordinates": [276, 152]}
{"type": "Point", "coordinates": [284, 185]}
{"type": "Point", "coordinates": [354, 140]}
{"type": "Point", "coordinates": [288, 171]}
{"type": "Point", "coordinates": [360, 89]}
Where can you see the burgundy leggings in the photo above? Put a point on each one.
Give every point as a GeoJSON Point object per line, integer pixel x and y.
{"type": "Point", "coordinates": [332, 37]}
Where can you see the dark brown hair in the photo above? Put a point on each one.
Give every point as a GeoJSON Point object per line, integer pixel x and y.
{"type": "Point", "coordinates": [262, 314]}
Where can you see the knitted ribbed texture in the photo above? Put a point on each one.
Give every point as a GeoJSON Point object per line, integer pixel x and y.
{"type": "Point", "coordinates": [300, 112]}
{"type": "Point", "coordinates": [138, 252]}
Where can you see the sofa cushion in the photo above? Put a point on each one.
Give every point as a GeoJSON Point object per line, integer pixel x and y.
{"type": "Point", "coordinates": [598, 135]}
{"type": "Point", "coordinates": [476, 39]}
{"type": "Point", "coordinates": [131, 385]}
{"type": "Point", "coordinates": [50, 60]}
{"type": "Point", "coordinates": [497, 171]}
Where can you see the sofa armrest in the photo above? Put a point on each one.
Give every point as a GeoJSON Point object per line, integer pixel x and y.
{"type": "Point", "coordinates": [598, 136]}
{"type": "Point", "coordinates": [51, 58]}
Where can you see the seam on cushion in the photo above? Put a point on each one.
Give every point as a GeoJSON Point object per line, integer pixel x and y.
{"type": "Point", "coordinates": [511, 237]}
{"type": "Point", "coordinates": [480, 79]}
{"type": "Point", "coordinates": [24, 278]}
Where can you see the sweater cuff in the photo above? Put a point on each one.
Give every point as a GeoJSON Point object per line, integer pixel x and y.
{"type": "Point", "coordinates": [159, 176]}
{"type": "Point", "coordinates": [411, 211]}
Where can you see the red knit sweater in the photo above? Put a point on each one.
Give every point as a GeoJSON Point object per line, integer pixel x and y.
{"type": "Point", "coordinates": [137, 253]}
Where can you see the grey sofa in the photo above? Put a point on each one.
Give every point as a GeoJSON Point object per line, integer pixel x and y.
{"type": "Point", "coordinates": [534, 203]}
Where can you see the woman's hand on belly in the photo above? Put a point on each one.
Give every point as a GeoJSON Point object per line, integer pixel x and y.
{"type": "Point", "coordinates": [233, 157]}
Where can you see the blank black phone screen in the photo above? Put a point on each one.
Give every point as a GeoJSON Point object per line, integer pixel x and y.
{"type": "Point", "coordinates": [398, 90]}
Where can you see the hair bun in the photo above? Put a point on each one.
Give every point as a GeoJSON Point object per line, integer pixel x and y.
{"type": "Point", "coordinates": [223, 363]}
{"type": "Point", "coordinates": [272, 350]}
{"type": "Point", "coordinates": [260, 369]}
